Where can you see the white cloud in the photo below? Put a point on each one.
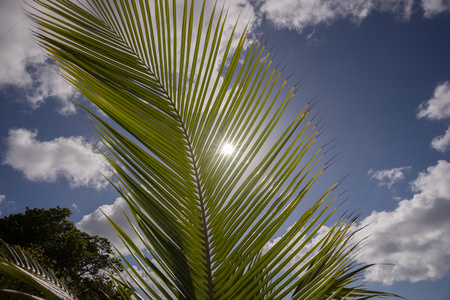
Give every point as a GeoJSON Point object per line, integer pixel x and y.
{"type": "Point", "coordinates": [24, 65]}
{"type": "Point", "coordinates": [296, 15]}
{"type": "Point", "coordinates": [97, 224]}
{"type": "Point", "coordinates": [414, 238]}
{"type": "Point", "coordinates": [75, 207]}
{"type": "Point", "coordinates": [6, 205]}
{"type": "Point", "coordinates": [323, 231]}
{"type": "Point", "coordinates": [17, 48]}
{"type": "Point", "coordinates": [441, 143]}
{"type": "Point", "coordinates": [389, 177]}
{"type": "Point", "coordinates": [299, 14]}
{"type": "Point", "coordinates": [72, 158]}
{"type": "Point", "coordinates": [438, 107]}
{"type": "Point", "coordinates": [434, 7]}
{"type": "Point", "coordinates": [2, 197]}
{"type": "Point", "coordinates": [248, 19]}
{"type": "Point", "coordinates": [47, 82]}
{"type": "Point", "coordinates": [141, 274]}
{"type": "Point", "coordinates": [148, 280]}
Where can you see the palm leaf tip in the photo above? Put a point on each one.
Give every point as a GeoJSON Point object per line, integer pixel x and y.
{"type": "Point", "coordinates": [179, 84]}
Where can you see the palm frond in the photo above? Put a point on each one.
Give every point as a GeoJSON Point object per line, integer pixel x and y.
{"type": "Point", "coordinates": [15, 263]}
{"type": "Point", "coordinates": [21, 295]}
{"type": "Point", "coordinates": [178, 89]}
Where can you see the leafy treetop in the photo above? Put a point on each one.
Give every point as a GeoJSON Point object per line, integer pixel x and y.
{"type": "Point", "coordinates": [77, 258]}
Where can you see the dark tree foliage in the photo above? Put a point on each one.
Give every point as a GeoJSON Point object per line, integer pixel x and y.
{"type": "Point", "coordinates": [77, 258]}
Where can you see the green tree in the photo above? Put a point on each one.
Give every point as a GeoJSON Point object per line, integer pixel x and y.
{"type": "Point", "coordinates": [75, 257]}
{"type": "Point", "coordinates": [178, 90]}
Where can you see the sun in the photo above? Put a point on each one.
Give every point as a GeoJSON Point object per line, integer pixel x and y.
{"type": "Point", "coordinates": [227, 149]}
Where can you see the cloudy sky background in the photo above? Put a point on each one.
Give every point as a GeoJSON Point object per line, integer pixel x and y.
{"type": "Point", "coordinates": [381, 70]}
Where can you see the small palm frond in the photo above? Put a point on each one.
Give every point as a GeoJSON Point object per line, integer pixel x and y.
{"type": "Point", "coordinates": [15, 263]}
{"type": "Point", "coordinates": [178, 87]}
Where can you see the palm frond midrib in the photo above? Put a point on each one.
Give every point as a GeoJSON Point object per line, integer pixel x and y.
{"type": "Point", "coordinates": [201, 205]}
{"type": "Point", "coordinates": [191, 156]}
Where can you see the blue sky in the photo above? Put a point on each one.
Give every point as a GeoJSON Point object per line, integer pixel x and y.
{"type": "Point", "coordinates": [381, 72]}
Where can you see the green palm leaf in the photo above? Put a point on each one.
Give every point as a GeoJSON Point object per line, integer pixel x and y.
{"type": "Point", "coordinates": [14, 262]}
{"type": "Point", "coordinates": [177, 90]}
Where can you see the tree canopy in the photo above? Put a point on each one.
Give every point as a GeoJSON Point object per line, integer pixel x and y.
{"type": "Point", "coordinates": [76, 258]}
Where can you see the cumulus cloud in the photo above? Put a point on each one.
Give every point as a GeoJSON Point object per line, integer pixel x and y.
{"type": "Point", "coordinates": [298, 14]}
{"type": "Point", "coordinates": [47, 83]}
{"type": "Point", "coordinates": [6, 205]}
{"type": "Point", "coordinates": [2, 197]}
{"type": "Point", "coordinates": [438, 107]}
{"type": "Point", "coordinates": [97, 224]}
{"type": "Point", "coordinates": [72, 158]}
{"type": "Point", "coordinates": [390, 176]}
{"type": "Point", "coordinates": [75, 207]}
{"type": "Point", "coordinates": [25, 66]}
{"type": "Point", "coordinates": [248, 20]}
{"type": "Point", "coordinates": [434, 7]}
{"type": "Point", "coordinates": [323, 231]}
{"type": "Point", "coordinates": [413, 241]}
{"type": "Point", "coordinates": [18, 50]}
{"type": "Point", "coordinates": [442, 143]}
{"type": "Point", "coordinates": [145, 276]}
